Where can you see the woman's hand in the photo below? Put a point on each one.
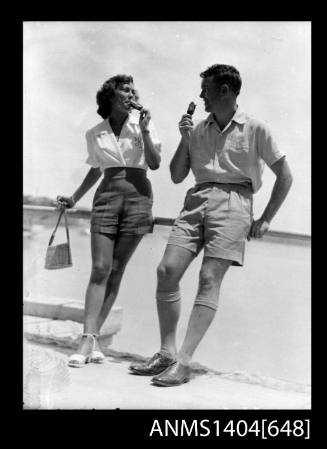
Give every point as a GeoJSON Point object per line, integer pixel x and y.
{"type": "Point", "coordinates": [65, 202]}
{"type": "Point", "coordinates": [145, 117]}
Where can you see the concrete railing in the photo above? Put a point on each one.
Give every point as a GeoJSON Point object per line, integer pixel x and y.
{"type": "Point", "coordinates": [42, 214]}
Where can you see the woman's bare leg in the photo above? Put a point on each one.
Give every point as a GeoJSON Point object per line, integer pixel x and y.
{"type": "Point", "coordinates": [125, 246]}
{"type": "Point", "coordinates": [102, 248]}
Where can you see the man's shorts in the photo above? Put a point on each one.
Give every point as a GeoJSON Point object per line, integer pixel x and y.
{"type": "Point", "coordinates": [122, 203]}
{"type": "Point", "coordinates": [216, 217]}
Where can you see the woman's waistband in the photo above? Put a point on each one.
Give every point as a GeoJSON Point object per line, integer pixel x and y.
{"type": "Point", "coordinates": [124, 172]}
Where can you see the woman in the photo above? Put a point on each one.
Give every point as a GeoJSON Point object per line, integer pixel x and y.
{"type": "Point", "coordinates": [122, 147]}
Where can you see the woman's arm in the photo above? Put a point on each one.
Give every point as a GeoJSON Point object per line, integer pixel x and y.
{"type": "Point", "coordinates": [151, 154]}
{"type": "Point", "coordinates": [90, 179]}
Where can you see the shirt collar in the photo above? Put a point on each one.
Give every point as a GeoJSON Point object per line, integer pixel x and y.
{"type": "Point", "coordinates": [105, 125]}
{"type": "Point", "coordinates": [133, 119]}
{"type": "Point", "coordinates": [239, 117]}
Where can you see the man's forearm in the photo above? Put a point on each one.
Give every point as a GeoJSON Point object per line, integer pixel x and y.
{"type": "Point", "coordinates": [181, 162]}
{"type": "Point", "coordinates": [90, 179]}
{"type": "Point", "coordinates": [280, 190]}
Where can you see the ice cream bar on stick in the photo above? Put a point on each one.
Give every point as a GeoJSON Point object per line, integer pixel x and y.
{"type": "Point", "coordinates": [191, 108]}
{"type": "Point", "coordinates": [135, 105]}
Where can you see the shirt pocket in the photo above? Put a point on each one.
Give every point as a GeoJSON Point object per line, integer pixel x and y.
{"type": "Point", "coordinates": [238, 144]}
{"type": "Point", "coordinates": [237, 151]}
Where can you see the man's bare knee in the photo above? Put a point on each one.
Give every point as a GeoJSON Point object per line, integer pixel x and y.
{"type": "Point", "coordinates": [208, 279]}
{"type": "Point", "coordinates": [165, 272]}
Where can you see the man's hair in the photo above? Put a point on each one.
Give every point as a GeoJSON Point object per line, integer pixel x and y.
{"type": "Point", "coordinates": [224, 74]}
{"type": "Point", "coordinates": [107, 92]}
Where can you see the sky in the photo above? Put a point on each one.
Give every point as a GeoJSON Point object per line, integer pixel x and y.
{"type": "Point", "coordinates": [65, 63]}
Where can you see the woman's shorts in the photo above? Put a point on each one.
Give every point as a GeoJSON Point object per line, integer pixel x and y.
{"type": "Point", "coordinates": [216, 217]}
{"type": "Point", "coordinates": [123, 203]}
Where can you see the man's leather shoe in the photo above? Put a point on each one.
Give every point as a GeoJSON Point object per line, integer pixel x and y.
{"type": "Point", "coordinates": [155, 365]}
{"type": "Point", "coordinates": [175, 374]}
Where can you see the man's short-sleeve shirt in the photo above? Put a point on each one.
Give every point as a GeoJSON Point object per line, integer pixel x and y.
{"type": "Point", "coordinates": [237, 154]}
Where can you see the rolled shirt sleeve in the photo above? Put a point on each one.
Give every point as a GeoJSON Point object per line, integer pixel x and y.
{"type": "Point", "coordinates": [266, 145]}
{"type": "Point", "coordinates": [91, 145]}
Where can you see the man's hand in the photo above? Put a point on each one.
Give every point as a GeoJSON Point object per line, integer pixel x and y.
{"type": "Point", "coordinates": [258, 229]}
{"type": "Point", "coordinates": [185, 125]}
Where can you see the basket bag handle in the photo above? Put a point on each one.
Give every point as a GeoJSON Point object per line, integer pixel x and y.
{"type": "Point", "coordinates": [62, 212]}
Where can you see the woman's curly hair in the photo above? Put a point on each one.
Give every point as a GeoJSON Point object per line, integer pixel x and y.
{"type": "Point", "coordinates": [107, 92]}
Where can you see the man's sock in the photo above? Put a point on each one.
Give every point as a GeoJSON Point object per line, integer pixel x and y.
{"type": "Point", "coordinates": [183, 358]}
{"type": "Point", "coordinates": [166, 353]}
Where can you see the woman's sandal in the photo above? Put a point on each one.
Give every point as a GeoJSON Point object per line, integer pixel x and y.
{"type": "Point", "coordinates": [97, 356]}
{"type": "Point", "coordinates": [80, 360]}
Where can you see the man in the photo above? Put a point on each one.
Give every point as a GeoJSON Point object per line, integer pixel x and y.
{"type": "Point", "coordinates": [226, 153]}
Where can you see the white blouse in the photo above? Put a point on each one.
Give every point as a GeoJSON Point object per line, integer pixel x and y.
{"type": "Point", "coordinates": [106, 150]}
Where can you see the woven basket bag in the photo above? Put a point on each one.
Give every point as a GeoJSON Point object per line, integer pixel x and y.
{"type": "Point", "coordinates": [59, 256]}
